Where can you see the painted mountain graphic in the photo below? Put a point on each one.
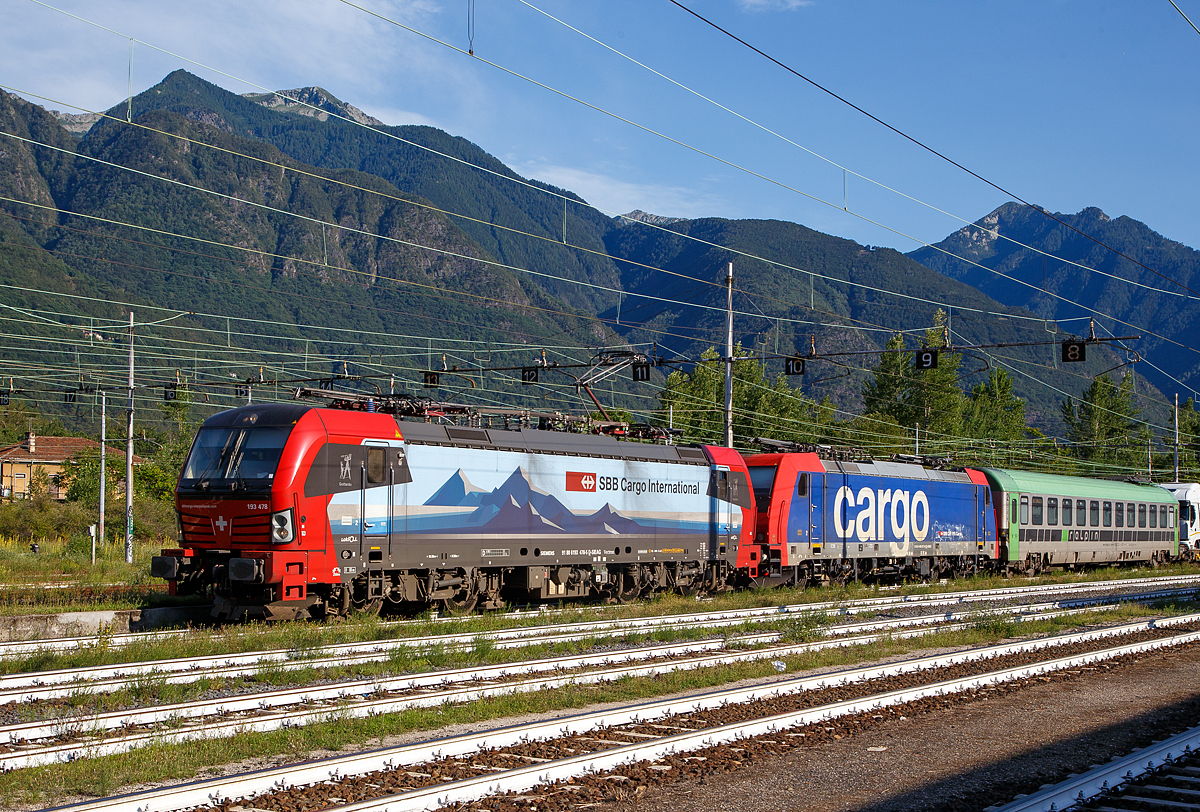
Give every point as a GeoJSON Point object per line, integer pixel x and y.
{"type": "Point", "coordinates": [458, 490]}
{"type": "Point", "coordinates": [519, 507]}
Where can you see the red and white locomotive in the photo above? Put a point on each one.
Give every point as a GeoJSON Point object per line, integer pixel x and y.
{"type": "Point", "coordinates": [291, 511]}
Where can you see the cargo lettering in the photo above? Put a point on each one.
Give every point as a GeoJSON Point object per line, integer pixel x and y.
{"type": "Point", "coordinates": [906, 513]}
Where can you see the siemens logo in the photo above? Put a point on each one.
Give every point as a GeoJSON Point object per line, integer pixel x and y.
{"type": "Point", "coordinates": [905, 514]}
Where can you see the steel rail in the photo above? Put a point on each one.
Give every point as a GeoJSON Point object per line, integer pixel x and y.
{"type": "Point", "coordinates": [26, 733]}
{"type": "Point", "coordinates": [71, 682]}
{"type": "Point", "coordinates": [209, 791]}
{"type": "Point", "coordinates": [1105, 778]}
{"type": "Point", "coordinates": [289, 658]}
{"type": "Point", "coordinates": [23, 647]}
{"type": "Point", "coordinates": [522, 779]}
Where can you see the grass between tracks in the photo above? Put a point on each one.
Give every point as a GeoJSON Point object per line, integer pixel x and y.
{"type": "Point", "coordinates": [101, 777]}
{"type": "Point", "coordinates": [303, 639]}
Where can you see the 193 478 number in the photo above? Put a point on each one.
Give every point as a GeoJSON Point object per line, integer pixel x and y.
{"type": "Point", "coordinates": [258, 506]}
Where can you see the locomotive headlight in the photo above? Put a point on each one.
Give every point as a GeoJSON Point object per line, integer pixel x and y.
{"type": "Point", "coordinates": [282, 528]}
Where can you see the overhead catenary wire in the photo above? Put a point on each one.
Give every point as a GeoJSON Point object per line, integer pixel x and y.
{"type": "Point", "coordinates": [838, 280]}
{"type": "Point", "coordinates": [848, 170]}
{"type": "Point", "coordinates": [565, 197]}
{"type": "Point", "coordinates": [555, 240]}
{"type": "Point", "coordinates": [930, 149]}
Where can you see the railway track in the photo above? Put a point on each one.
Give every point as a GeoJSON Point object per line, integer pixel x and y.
{"type": "Point", "coordinates": [583, 757]}
{"type": "Point", "coordinates": [69, 682]}
{"type": "Point", "coordinates": [1164, 776]}
{"type": "Point", "coordinates": [54, 740]}
{"type": "Point", "coordinates": [883, 603]}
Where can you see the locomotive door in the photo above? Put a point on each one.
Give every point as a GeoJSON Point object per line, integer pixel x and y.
{"type": "Point", "coordinates": [375, 506]}
{"type": "Point", "coordinates": [816, 522]}
{"type": "Point", "coordinates": [722, 511]}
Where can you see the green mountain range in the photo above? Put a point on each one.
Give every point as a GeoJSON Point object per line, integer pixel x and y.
{"type": "Point", "coordinates": [420, 241]}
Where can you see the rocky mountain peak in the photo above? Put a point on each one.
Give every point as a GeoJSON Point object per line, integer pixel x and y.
{"type": "Point", "coordinates": [646, 217]}
{"type": "Point", "coordinates": [312, 101]}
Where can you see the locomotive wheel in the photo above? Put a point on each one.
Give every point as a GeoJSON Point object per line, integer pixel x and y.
{"type": "Point", "coordinates": [370, 606]}
{"type": "Point", "coordinates": [629, 587]}
{"type": "Point", "coordinates": [463, 601]}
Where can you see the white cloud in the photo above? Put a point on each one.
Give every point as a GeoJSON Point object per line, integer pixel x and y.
{"type": "Point", "coordinates": [774, 5]}
{"type": "Point", "coordinates": [616, 196]}
{"type": "Point", "coordinates": [271, 44]}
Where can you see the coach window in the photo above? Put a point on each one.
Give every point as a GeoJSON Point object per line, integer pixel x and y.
{"type": "Point", "coordinates": [1141, 515]}
{"type": "Point", "coordinates": [1081, 513]}
{"type": "Point", "coordinates": [1024, 510]}
{"type": "Point", "coordinates": [1108, 514]}
{"type": "Point", "coordinates": [1094, 513]}
{"type": "Point", "coordinates": [1120, 514]}
{"type": "Point", "coordinates": [1171, 518]}
{"type": "Point", "coordinates": [1129, 513]}
{"type": "Point", "coordinates": [1154, 515]}
{"type": "Point", "coordinates": [1051, 511]}
{"type": "Point", "coordinates": [1067, 503]}
{"type": "Point", "coordinates": [1037, 510]}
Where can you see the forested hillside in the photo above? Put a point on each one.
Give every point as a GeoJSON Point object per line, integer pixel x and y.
{"type": "Point", "coordinates": [1156, 299]}
{"type": "Point", "coordinates": [248, 208]}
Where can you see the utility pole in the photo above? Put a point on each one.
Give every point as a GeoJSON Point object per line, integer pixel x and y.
{"type": "Point", "coordinates": [917, 441]}
{"type": "Point", "coordinates": [129, 454]}
{"type": "Point", "coordinates": [729, 357]}
{"type": "Point", "coordinates": [1176, 437]}
{"type": "Point", "coordinates": [103, 471]}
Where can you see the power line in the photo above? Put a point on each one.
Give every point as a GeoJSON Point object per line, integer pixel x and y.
{"type": "Point", "coordinates": [928, 148]}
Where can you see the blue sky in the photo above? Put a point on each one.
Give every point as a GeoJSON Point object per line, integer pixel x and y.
{"type": "Point", "coordinates": [1069, 103]}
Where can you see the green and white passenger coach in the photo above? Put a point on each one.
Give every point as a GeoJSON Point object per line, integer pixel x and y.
{"type": "Point", "coordinates": [1050, 520]}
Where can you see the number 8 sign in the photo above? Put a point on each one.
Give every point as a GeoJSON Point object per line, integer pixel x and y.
{"type": "Point", "coordinates": [1073, 351]}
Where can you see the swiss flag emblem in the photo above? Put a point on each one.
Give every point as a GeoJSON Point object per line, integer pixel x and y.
{"type": "Point", "coordinates": [578, 481]}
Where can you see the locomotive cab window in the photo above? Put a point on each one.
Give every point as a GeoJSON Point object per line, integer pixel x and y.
{"type": "Point", "coordinates": [1052, 511]}
{"type": "Point", "coordinates": [802, 485]}
{"type": "Point", "coordinates": [1120, 514]}
{"type": "Point", "coordinates": [1108, 514]}
{"type": "Point", "coordinates": [1024, 510]}
{"type": "Point", "coordinates": [374, 466]}
{"type": "Point", "coordinates": [1141, 515]}
{"type": "Point", "coordinates": [1067, 504]}
{"type": "Point", "coordinates": [1154, 515]}
{"type": "Point", "coordinates": [1037, 510]}
{"type": "Point", "coordinates": [1094, 513]}
{"type": "Point", "coordinates": [987, 496]}
{"type": "Point", "coordinates": [762, 480]}
{"type": "Point", "coordinates": [234, 458]}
